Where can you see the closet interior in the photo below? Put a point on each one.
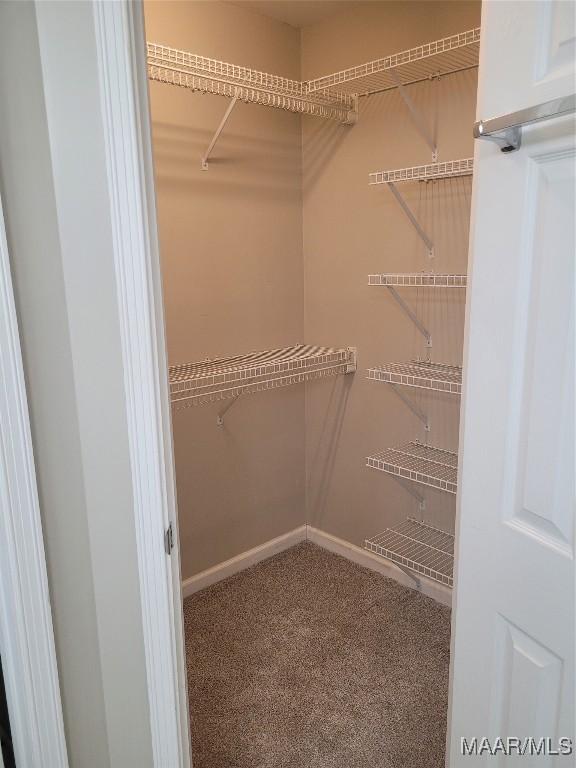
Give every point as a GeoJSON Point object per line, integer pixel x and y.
{"type": "Point", "coordinates": [313, 226]}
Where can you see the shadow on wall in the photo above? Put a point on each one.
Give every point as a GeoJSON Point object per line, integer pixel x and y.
{"type": "Point", "coordinates": [239, 165]}
{"type": "Point", "coordinates": [319, 478]}
{"type": "Point", "coordinates": [319, 145]}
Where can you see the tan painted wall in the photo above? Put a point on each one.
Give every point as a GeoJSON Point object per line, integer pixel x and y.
{"type": "Point", "coordinates": [231, 248]}
{"type": "Point", "coordinates": [351, 230]}
{"type": "Point", "coordinates": [235, 278]}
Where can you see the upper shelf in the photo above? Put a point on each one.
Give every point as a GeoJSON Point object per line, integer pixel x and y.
{"type": "Point", "coordinates": [425, 62]}
{"type": "Point", "coordinates": [448, 170]}
{"type": "Point", "coordinates": [198, 73]}
{"type": "Point", "coordinates": [212, 380]}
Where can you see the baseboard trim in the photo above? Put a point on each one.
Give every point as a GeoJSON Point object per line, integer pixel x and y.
{"type": "Point", "coordinates": [242, 561]}
{"type": "Point", "coordinates": [367, 559]}
{"type": "Point", "coordinates": [325, 540]}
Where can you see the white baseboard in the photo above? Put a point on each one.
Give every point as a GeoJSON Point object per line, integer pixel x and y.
{"type": "Point", "coordinates": [427, 587]}
{"type": "Point", "coordinates": [242, 561]}
{"type": "Point", "coordinates": [341, 547]}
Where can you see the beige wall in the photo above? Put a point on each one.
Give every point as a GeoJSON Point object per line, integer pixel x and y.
{"type": "Point", "coordinates": [274, 243]}
{"type": "Point", "coordinates": [351, 230]}
{"type": "Point", "coordinates": [231, 249]}
{"type": "Point", "coordinates": [54, 190]}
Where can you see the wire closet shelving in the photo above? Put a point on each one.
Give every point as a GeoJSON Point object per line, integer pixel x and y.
{"type": "Point", "coordinates": [420, 463]}
{"type": "Point", "coordinates": [421, 374]}
{"type": "Point", "coordinates": [424, 62]}
{"type": "Point", "coordinates": [199, 73]}
{"type": "Point", "coordinates": [418, 280]}
{"type": "Point", "coordinates": [418, 547]}
{"type": "Point", "coordinates": [450, 169]}
{"type": "Point", "coordinates": [210, 381]}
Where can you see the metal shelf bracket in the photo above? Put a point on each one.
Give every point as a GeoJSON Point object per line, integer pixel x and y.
{"type": "Point", "coordinates": [229, 404]}
{"type": "Point", "coordinates": [412, 315]}
{"type": "Point", "coordinates": [412, 219]}
{"type": "Point", "coordinates": [204, 162]}
{"type": "Point", "coordinates": [416, 115]}
{"type": "Point", "coordinates": [413, 407]}
{"type": "Point", "coordinates": [413, 492]}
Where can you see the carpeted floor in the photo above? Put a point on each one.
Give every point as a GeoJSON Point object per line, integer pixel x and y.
{"type": "Point", "coordinates": [309, 661]}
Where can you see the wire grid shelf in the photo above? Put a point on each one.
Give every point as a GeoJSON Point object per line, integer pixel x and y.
{"type": "Point", "coordinates": [451, 169]}
{"type": "Point", "coordinates": [421, 374]}
{"type": "Point", "coordinates": [420, 463]}
{"type": "Point", "coordinates": [209, 381]}
{"type": "Point", "coordinates": [419, 547]}
{"type": "Point", "coordinates": [198, 73]}
{"type": "Point", "coordinates": [418, 280]}
{"type": "Point", "coordinates": [424, 62]}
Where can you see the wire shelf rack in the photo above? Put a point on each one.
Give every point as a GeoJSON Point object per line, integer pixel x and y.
{"type": "Point", "coordinates": [419, 547]}
{"type": "Point", "coordinates": [418, 280]}
{"type": "Point", "coordinates": [421, 374]}
{"type": "Point", "coordinates": [420, 463]}
{"type": "Point", "coordinates": [433, 171]}
{"type": "Point", "coordinates": [210, 381]}
{"type": "Point", "coordinates": [199, 73]}
{"type": "Point", "coordinates": [424, 62]}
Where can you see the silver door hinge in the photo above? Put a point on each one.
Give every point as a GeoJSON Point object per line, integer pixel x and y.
{"type": "Point", "coordinates": [169, 539]}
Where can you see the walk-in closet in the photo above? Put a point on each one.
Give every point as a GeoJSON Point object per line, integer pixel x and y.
{"type": "Point", "coordinates": [313, 166]}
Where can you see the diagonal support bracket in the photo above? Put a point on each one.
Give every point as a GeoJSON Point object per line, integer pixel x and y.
{"type": "Point", "coordinates": [219, 130]}
{"type": "Point", "coordinates": [229, 404]}
{"type": "Point", "coordinates": [411, 218]}
{"type": "Point", "coordinates": [412, 315]}
{"type": "Point", "coordinates": [413, 492]}
{"type": "Point", "coordinates": [412, 406]}
{"type": "Point", "coordinates": [416, 115]}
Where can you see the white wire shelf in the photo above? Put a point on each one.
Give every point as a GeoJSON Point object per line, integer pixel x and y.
{"type": "Point", "coordinates": [198, 73]}
{"type": "Point", "coordinates": [421, 374]}
{"type": "Point", "coordinates": [420, 463]}
{"type": "Point", "coordinates": [419, 547]}
{"type": "Point", "coordinates": [418, 280]}
{"type": "Point", "coordinates": [219, 379]}
{"type": "Point", "coordinates": [433, 171]}
{"type": "Point", "coordinates": [424, 62]}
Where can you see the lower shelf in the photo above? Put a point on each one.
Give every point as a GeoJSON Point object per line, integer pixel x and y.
{"type": "Point", "coordinates": [208, 381]}
{"type": "Point", "coordinates": [420, 463]}
{"type": "Point", "coordinates": [418, 547]}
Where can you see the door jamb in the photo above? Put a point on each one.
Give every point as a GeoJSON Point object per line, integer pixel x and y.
{"type": "Point", "coordinates": [123, 79]}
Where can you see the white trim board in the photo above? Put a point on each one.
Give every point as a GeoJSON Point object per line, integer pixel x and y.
{"type": "Point", "coordinates": [122, 73]}
{"type": "Point", "coordinates": [362, 557]}
{"type": "Point", "coordinates": [26, 632]}
{"type": "Point", "coordinates": [242, 561]}
{"type": "Point", "coordinates": [325, 540]}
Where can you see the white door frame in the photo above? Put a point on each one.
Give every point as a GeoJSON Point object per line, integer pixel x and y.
{"type": "Point", "coordinates": [123, 78]}
{"type": "Point", "coordinates": [26, 633]}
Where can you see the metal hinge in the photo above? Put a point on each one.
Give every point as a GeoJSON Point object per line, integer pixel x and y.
{"type": "Point", "coordinates": [169, 539]}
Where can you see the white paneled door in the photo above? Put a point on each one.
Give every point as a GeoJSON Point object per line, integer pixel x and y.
{"type": "Point", "coordinates": [513, 669]}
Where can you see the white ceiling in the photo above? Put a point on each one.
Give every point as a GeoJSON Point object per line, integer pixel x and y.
{"type": "Point", "coordinates": [297, 13]}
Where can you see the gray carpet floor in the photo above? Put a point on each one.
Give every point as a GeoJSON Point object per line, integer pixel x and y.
{"type": "Point", "coordinates": [309, 661]}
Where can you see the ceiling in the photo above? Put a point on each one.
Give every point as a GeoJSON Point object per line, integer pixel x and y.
{"type": "Point", "coordinates": [297, 13]}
